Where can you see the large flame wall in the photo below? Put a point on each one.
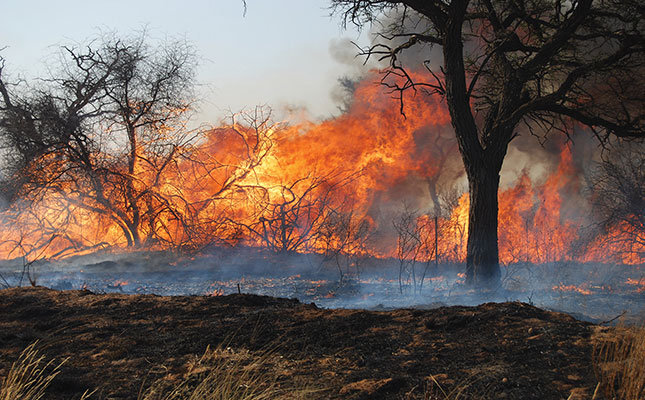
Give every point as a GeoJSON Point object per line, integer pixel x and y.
{"type": "Point", "coordinates": [370, 163]}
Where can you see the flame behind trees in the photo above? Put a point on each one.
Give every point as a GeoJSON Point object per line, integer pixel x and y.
{"type": "Point", "coordinates": [547, 65]}
{"type": "Point", "coordinates": [619, 200]}
{"type": "Point", "coordinates": [100, 154]}
{"type": "Point", "coordinates": [93, 141]}
{"type": "Point", "coordinates": [89, 169]}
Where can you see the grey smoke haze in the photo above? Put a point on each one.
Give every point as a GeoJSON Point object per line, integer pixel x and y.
{"type": "Point", "coordinates": [310, 279]}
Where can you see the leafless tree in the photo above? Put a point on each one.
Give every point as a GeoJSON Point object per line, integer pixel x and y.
{"type": "Point", "coordinates": [547, 65]}
{"type": "Point", "coordinates": [112, 147]}
{"type": "Point", "coordinates": [291, 215]}
{"type": "Point", "coordinates": [442, 149]}
{"type": "Point", "coordinates": [617, 187]}
{"type": "Point", "coordinates": [344, 239]}
{"type": "Point", "coordinates": [422, 239]}
{"type": "Point", "coordinates": [103, 129]}
{"type": "Point", "coordinates": [216, 178]}
{"type": "Point", "coordinates": [409, 246]}
{"type": "Point", "coordinates": [451, 227]}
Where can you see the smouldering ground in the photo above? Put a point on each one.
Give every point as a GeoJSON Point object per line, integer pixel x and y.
{"type": "Point", "coordinates": [119, 344]}
{"type": "Point", "coordinates": [593, 292]}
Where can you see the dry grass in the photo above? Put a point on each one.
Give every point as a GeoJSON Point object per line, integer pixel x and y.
{"type": "Point", "coordinates": [29, 376]}
{"type": "Point", "coordinates": [225, 374]}
{"type": "Point", "coordinates": [460, 390]}
{"type": "Point", "coordinates": [437, 391]}
{"type": "Point", "coordinates": [220, 374]}
{"type": "Point", "coordinates": [619, 361]}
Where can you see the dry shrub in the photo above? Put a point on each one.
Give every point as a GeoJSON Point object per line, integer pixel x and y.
{"type": "Point", "coordinates": [29, 376]}
{"type": "Point", "coordinates": [225, 374]}
{"type": "Point", "coordinates": [619, 361]}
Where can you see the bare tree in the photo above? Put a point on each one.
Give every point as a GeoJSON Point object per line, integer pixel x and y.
{"type": "Point", "coordinates": [111, 149]}
{"type": "Point", "coordinates": [344, 238]}
{"type": "Point", "coordinates": [422, 239]}
{"type": "Point", "coordinates": [547, 65]}
{"type": "Point", "coordinates": [103, 129]}
{"type": "Point", "coordinates": [442, 149]}
{"type": "Point", "coordinates": [409, 246]}
{"type": "Point", "coordinates": [618, 195]}
{"type": "Point", "coordinates": [292, 215]}
{"type": "Point", "coordinates": [216, 178]}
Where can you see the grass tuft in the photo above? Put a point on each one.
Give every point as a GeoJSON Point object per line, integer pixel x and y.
{"type": "Point", "coordinates": [620, 364]}
{"type": "Point", "coordinates": [225, 374]}
{"type": "Point", "coordinates": [29, 376]}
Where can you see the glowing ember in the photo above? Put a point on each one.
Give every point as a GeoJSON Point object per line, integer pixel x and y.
{"type": "Point", "coordinates": [118, 284]}
{"type": "Point", "coordinates": [640, 284]}
{"type": "Point", "coordinates": [216, 293]}
{"type": "Point", "coordinates": [572, 288]}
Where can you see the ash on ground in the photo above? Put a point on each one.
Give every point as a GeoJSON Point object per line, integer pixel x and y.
{"type": "Point", "coordinates": [599, 293]}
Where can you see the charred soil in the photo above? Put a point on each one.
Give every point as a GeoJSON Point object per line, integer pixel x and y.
{"type": "Point", "coordinates": [118, 344]}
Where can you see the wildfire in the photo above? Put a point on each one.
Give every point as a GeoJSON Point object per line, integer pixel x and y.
{"type": "Point", "coordinates": [640, 284]}
{"type": "Point", "coordinates": [118, 284]}
{"type": "Point", "coordinates": [322, 187]}
{"type": "Point", "coordinates": [216, 293]}
{"type": "Point", "coordinates": [572, 288]}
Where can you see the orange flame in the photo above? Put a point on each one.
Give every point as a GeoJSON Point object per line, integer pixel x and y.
{"type": "Point", "coordinates": [295, 187]}
{"type": "Point", "coordinates": [572, 288]}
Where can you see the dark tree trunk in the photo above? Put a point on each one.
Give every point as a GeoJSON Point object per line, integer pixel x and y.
{"type": "Point", "coordinates": [482, 158]}
{"type": "Point", "coordinates": [131, 198]}
{"type": "Point", "coordinates": [434, 195]}
{"type": "Point", "coordinates": [127, 234]}
{"type": "Point", "coordinates": [482, 260]}
{"type": "Point", "coordinates": [134, 234]}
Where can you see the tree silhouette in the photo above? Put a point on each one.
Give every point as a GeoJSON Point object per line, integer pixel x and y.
{"type": "Point", "coordinates": [102, 129]}
{"type": "Point", "coordinates": [506, 65]}
{"type": "Point", "coordinates": [618, 197]}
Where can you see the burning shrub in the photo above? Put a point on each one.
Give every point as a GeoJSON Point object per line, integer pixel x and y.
{"type": "Point", "coordinates": [619, 200]}
{"type": "Point", "coordinates": [92, 145]}
{"type": "Point", "coordinates": [344, 238]}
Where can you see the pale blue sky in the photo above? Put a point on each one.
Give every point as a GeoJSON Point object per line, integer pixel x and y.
{"type": "Point", "coordinates": [285, 53]}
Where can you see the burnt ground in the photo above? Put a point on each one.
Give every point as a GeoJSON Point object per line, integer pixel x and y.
{"type": "Point", "coordinates": [118, 344]}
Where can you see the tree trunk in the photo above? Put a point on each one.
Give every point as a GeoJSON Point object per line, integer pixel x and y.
{"type": "Point", "coordinates": [482, 156]}
{"type": "Point", "coordinates": [482, 259]}
{"type": "Point", "coordinates": [134, 232]}
{"type": "Point", "coordinates": [434, 195]}
{"type": "Point", "coordinates": [128, 234]}
{"type": "Point", "coordinates": [130, 191]}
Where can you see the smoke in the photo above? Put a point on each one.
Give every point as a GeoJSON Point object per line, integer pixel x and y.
{"type": "Point", "coordinates": [590, 291]}
{"type": "Point", "coordinates": [386, 33]}
{"type": "Point", "coordinates": [344, 52]}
